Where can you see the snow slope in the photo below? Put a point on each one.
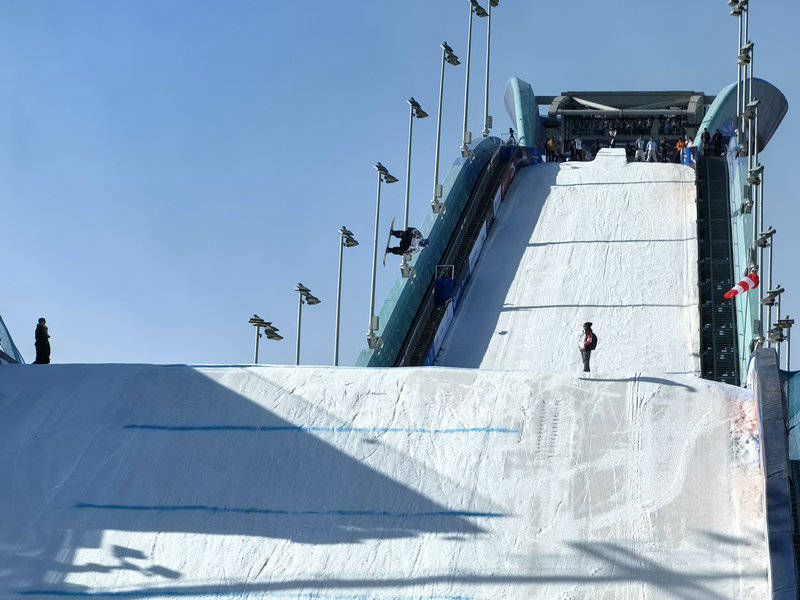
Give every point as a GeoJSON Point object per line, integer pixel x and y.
{"type": "Point", "coordinates": [138, 481]}
{"type": "Point", "coordinates": [602, 241]}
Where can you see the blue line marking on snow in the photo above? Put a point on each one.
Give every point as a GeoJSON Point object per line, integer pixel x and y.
{"type": "Point", "coordinates": [342, 429]}
{"type": "Point", "coordinates": [177, 593]}
{"type": "Point", "coordinates": [272, 511]}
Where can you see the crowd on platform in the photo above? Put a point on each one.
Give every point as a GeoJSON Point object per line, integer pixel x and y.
{"type": "Point", "coordinates": [644, 149]}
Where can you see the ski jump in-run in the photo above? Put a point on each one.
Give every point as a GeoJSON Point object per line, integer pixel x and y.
{"type": "Point", "coordinates": [411, 241]}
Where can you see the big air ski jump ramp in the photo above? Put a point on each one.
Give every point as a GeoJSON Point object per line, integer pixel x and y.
{"type": "Point", "coordinates": [502, 472]}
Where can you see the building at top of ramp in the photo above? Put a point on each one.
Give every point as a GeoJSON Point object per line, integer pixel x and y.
{"type": "Point", "coordinates": [606, 241]}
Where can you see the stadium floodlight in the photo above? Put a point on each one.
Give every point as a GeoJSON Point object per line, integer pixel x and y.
{"type": "Point", "coordinates": [415, 111]}
{"type": "Point", "coordinates": [733, 3]}
{"type": "Point", "coordinates": [745, 54]}
{"type": "Point", "coordinates": [775, 335]}
{"type": "Point", "coordinates": [304, 296]}
{"type": "Point", "coordinates": [754, 177]}
{"type": "Point", "coordinates": [272, 332]}
{"type": "Point", "coordinates": [764, 238]}
{"type": "Point", "coordinates": [772, 296]}
{"type": "Point", "coordinates": [383, 176]}
{"type": "Point", "coordinates": [269, 331]}
{"type": "Point", "coordinates": [346, 240]}
{"type": "Point", "coordinates": [449, 57]}
{"type": "Point", "coordinates": [487, 119]}
{"type": "Point", "coordinates": [477, 9]}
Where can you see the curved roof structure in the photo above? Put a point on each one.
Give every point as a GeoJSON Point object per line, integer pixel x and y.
{"type": "Point", "coordinates": [771, 110]}
{"type": "Point", "coordinates": [523, 110]}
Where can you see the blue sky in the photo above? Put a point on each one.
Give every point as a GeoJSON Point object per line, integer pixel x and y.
{"type": "Point", "coordinates": [169, 168]}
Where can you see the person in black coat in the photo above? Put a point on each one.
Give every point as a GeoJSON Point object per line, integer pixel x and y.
{"type": "Point", "coordinates": [587, 343]}
{"type": "Point", "coordinates": [717, 139]}
{"type": "Point", "coordinates": [705, 139]}
{"type": "Point", "coordinates": [42, 344]}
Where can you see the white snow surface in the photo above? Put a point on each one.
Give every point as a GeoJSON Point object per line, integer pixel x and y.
{"type": "Point", "coordinates": [605, 241]}
{"type": "Point", "coordinates": [139, 481]}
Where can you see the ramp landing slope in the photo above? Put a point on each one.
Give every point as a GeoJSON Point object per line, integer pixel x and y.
{"type": "Point", "coordinates": [132, 481]}
{"type": "Point", "coordinates": [606, 241]}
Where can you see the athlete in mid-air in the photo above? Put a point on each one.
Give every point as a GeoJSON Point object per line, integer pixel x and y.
{"type": "Point", "coordinates": [411, 241]}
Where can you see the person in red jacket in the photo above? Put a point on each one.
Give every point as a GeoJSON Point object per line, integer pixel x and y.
{"type": "Point", "coordinates": [588, 342]}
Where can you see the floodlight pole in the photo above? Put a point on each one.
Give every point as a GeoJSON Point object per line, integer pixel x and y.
{"type": "Point", "coordinates": [371, 340]}
{"type": "Point", "coordinates": [486, 91]}
{"type": "Point", "coordinates": [258, 335]}
{"type": "Point", "coordinates": [748, 68]}
{"type": "Point", "coordinates": [769, 282]}
{"type": "Point", "coordinates": [778, 346]}
{"type": "Point", "coordinates": [299, 323]}
{"type": "Point", "coordinates": [755, 134]}
{"type": "Point", "coordinates": [739, 77]}
{"type": "Point", "coordinates": [338, 302]}
{"type": "Point", "coordinates": [760, 198]}
{"type": "Point", "coordinates": [746, 39]}
{"type": "Point", "coordinates": [351, 241]}
{"type": "Point", "coordinates": [435, 204]}
{"type": "Point", "coordinates": [408, 163]}
{"type": "Point", "coordinates": [750, 140]}
{"type": "Point", "coordinates": [464, 147]}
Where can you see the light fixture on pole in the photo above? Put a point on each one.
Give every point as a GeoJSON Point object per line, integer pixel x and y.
{"type": "Point", "coordinates": [787, 324]}
{"type": "Point", "coordinates": [745, 55]}
{"type": "Point", "coordinates": [346, 240]}
{"type": "Point", "coordinates": [383, 177]}
{"type": "Point", "coordinates": [737, 11]}
{"type": "Point", "coordinates": [269, 331]}
{"type": "Point", "coordinates": [744, 5]}
{"type": "Point", "coordinates": [487, 119]}
{"type": "Point", "coordinates": [415, 112]}
{"type": "Point", "coordinates": [304, 295]}
{"type": "Point", "coordinates": [754, 179]}
{"type": "Point", "coordinates": [772, 297]}
{"type": "Point", "coordinates": [752, 108]}
{"type": "Point", "coordinates": [449, 57]}
{"type": "Point", "coordinates": [763, 239]}
{"type": "Point", "coordinates": [476, 8]}
{"type": "Point", "coordinates": [745, 58]}
{"type": "Point", "coordinates": [759, 244]}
